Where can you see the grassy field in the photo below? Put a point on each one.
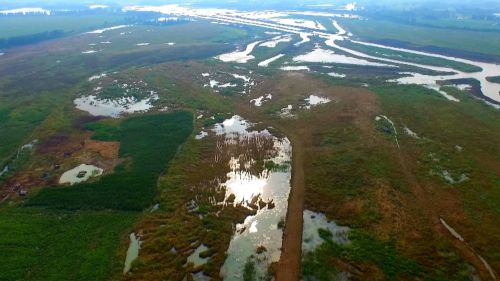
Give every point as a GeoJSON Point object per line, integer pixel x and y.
{"type": "Point", "coordinates": [18, 122]}
{"type": "Point", "coordinates": [477, 42]}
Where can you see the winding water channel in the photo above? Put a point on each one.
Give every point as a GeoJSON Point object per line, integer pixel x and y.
{"type": "Point", "coordinates": [273, 20]}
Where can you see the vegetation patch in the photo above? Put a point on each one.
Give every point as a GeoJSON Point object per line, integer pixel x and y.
{"type": "Point", "coordinates": [327, 260]}
{"type": "Point", "coordinates": [46, 245]}
{"type": "Point", "coordinates": [148, 143]}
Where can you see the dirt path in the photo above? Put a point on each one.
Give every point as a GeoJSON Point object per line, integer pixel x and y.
{"type": "Point", "coordinates": [290, 261]}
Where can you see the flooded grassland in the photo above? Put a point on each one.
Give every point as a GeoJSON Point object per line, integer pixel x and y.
{"type": "Point", "coordinates": [221, 208]}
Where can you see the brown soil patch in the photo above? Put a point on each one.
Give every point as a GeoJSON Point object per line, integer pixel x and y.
{"type": "Point", "coordinates": [107, 150]}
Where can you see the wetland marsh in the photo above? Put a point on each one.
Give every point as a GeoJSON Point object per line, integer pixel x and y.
{"type": "Point", "coordinates": [230, 141]}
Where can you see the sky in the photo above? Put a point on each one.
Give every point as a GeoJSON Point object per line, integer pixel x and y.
{"type": "Point", "coordinates": [398, 4]}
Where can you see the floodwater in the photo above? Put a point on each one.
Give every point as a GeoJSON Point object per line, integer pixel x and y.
{"type": "Point", "coordinates": [411, 133]}
{"type": "Point", "coordinates": [4, 170]}
{"type": "Point", "coordinates": [286, 112]}
{"type": "Point", "coordinates": [314, 100]}
{"type": "Point", "coordinates": [260, 100]}
{"type": "Point", "coordinates": [265, 63]}
{"type": "Point", "coordinates": [313, 222]}
{"type": "Point", "coordinates": [276, 40]}
{"type": "Point", "coordinates": [113, 107]}
{"type": "Point", "coordinates": [305, 38]}
{"type": "Point", "coordinates": [309, 24]}
{"type": "Point", "coordinates": [97, 77]}
{"type": "Point", "coordinates": [71, 176]}
{"type": "Point", "coordinates": [489, 89]}
{"type": "Point", "coordinates": [295, 68]}
{"type": "Point", "coordinates": [337, 75]}
{"type": "Point", "coordinates": [195, 258]}
{"type": "Point", "coordinates": [201, 135]}
{"type": "Point", "coordinates": [240, 56]}
{"type": "Point", "coordinates": [328, 56]}
{"type": "Point", "coordinates": [132, 252]}
{"type": "Point", "coordinates": [278, 22]}
{"type": "Point", "coordinates": [271, 187]}
{"type": "Point", "coordinates": [101, 31]}
{"type": "Point", "coordinates": [89, 52]}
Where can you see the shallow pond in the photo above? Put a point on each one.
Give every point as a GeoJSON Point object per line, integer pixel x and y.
{"type": "Point", "coordinates": [240, 56]}
{"type": "Point", "coordinates": [314, 100]}
{"type": "Point", "coordinates": [80, 174]}
{"type": "Point", "coordinates": [195, 258]}
{"type": "Point", "coordinates": [265, 63]}
{"type": "Point", "coordinates": [313, 222]}
{"type": "Point", "coordinates": [113, 107]}
{"type": "Point", "coordinates": [132, 252]}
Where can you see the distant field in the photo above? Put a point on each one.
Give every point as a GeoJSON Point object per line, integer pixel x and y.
{"type": "Point", "coordinates": [26, 25]}
{"type": "Point", "coordinates": [471, 41]}
{"type": "Point", "coordinates": [469, 24]}
{"type": "Point", "coordinates": [192, 33]}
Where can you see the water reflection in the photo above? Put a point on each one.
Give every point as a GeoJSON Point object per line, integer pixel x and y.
{"type": "Point", "coordinates": [258, 179]}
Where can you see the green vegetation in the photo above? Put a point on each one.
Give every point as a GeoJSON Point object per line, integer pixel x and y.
{"type": "Point", "coordinates": [46, 245]}
{"type": "Point", "coordinates": [480, 42]}
{"type": "Point", "coordinates": [448, 145]}
{"type": "Point", "coordinates": [149, 142]}
{"type": "Point", "coordinates": [249, 272]}
{"type": "Point", "coordinates": [364, 248]}
{"type": "Point", "coordinates": [199, 34]}
{"type": "Point", "coordinates": [116, 92]}
{"type": "Point", "coordinates": [495, 79]}
{"type": "Point", "coordinates": [409, 57]}
{"type": "Point", "coordinates": [18, 119]}
{"type": "Point", "coordinates": [272, 166]}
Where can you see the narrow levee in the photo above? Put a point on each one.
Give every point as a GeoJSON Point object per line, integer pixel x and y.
{"type": "Point", "coordinates": [291, 252]}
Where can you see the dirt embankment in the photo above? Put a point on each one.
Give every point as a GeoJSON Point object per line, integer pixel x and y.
{"type": "Point", "coordinates": [289, 265]}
